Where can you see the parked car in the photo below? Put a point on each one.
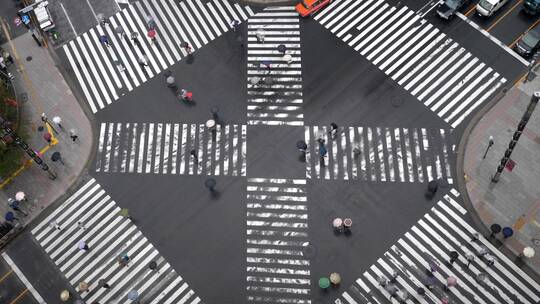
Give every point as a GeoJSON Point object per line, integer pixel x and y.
{"type": "Point", "coordinates": [531, 7]}
{"type": "Point", "coordinates": [309, 7]}
{"type": "Point", "coordinates": [529, 43]}
{"type": "Point", "coordinates": [487, 8]}
{"type": "Point", "coordinates": [448, 8]}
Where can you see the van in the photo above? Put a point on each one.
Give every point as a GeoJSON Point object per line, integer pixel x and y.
{"type": "Point", "coordinates": [487, 8]}
{"type": "Point", "coordinates": [43, 15]}
{"type": "Point", "coordinates": [531, 7]}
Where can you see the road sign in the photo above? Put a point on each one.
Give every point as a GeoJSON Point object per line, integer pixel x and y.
{"type": "Point", "coordinates": [17, 21]}
{"type": "Point", "coordinates": [25, 19]}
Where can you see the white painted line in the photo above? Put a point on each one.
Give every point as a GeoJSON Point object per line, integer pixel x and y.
{"type": "Point", "coordinates": [495, 40]}
{"type": "Point", "coordinates": [92, 9]}
{"type": "Point", "coordinates": [69, 20]}
{"type": "Point", "coordinates": [23, 278]}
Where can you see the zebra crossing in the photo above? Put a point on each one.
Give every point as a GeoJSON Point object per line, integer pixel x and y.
{"type": "Point", "coordinates": [277, 234]}
{"type": "Point", "coordinates": [171, 148]}
{"type": "Point", "coordinates": [274, 84]}
{"type": "Point", "coordinates": [92, 216]}
{"type": "Point", "coordinates": [431, 66]}
{"type": "Point", "coordinates": [105, 73]}
{"type": "Point", "coordinates": [380, 154]}
{"type": "Point", "coordinates": [427, 245]}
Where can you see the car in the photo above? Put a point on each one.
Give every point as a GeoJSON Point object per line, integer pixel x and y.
{"type": "Point", "coordinates": [529, 43]}
{"type": "Point", "coordinates": [309, 7]}
{"type": "Point", "coordinates": [486, 8]}
{"type": "Point", "coordinates": [531, 7]}
{"type": "Point", "coordinates": [448, 8]}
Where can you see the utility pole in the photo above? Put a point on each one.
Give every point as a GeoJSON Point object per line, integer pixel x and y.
{"type": "Point", "coordinates": [517, 134]}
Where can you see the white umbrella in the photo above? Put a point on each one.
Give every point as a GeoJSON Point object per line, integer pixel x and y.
{"type": "Point", "coordinates": [528, 252]}
{"type": "Point", "coordinates": [337, 222]}
{"type": "Point", "coordinates": [57, 120]}
{"type": "Point", "coordinates": [20, 196]}
{"type": "Point", "coordinates": [82, 244]}
{"type": "Point", "coordinates": [133, 295]}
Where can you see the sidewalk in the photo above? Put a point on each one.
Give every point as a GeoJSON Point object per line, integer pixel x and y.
{"type": "Point", "coordinates": [42, 89]}
{"type": "Point", "coordinates": [515, 200]}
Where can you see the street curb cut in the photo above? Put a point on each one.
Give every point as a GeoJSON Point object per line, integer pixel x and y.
{"type": "Point", "coordinates": [462, 188]}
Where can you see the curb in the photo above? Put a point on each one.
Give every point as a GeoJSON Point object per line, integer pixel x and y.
{"type": "Point", "coordinates": [461, 184]}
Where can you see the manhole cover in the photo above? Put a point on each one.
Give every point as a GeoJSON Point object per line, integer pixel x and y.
{"type": "Point", "coordinates": [536, 242]}
{"type": "Point", "coordinates": [23, 97]}
{"type": "Point", "coordinates": [310, 251]}
{"type": "Point", "coordinates": [396, 102]}
{"type": "Point", "coordinates": [29, 58]}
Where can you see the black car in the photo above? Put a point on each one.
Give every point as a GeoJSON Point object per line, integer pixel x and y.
{"type": "Point", "coordinates": [529, 43]}
{"type": "Point", "coordinates": [449, 7]}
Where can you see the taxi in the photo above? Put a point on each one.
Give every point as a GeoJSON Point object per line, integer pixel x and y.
{"type": "Point", "coordinates": [310, 7]}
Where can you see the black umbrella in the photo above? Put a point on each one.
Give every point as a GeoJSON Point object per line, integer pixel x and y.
{"type": "Point", "coordinates": [301, 145]}
{"type": "Point", "coordinates": [282, 48]}
{"type": "Point", "coordinates": [56, 156]}
{"type": "Point", "coordinates": [152, 265]}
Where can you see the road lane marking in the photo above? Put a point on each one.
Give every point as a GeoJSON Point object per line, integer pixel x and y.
{"type": "Point", "coordinates": [505, 14]}
{"type": "Point", "coordinates": [69, 20]}
{"type": "Point", "coordinates": [23, 279]}
{"type": "Point", "coordinates": [6, 275]}
{"type": "Point", "coordinates": [495, 40]}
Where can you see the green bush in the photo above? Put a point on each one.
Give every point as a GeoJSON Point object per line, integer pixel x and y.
{"type": "Point", "coordinates": [11, 157]}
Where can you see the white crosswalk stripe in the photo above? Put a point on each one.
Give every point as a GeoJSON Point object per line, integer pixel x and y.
{"type": "Point", "coordinates": [379, 154]}
{"type": "Point", "coordinates": [166, 148]}
{"type": "Point", "coordinates": [90, 215]}
{"type": "Point", "coordinates": [98, 68]}
{"type": "Point", "coordinates": [277, 236]}
{"type": "Point", "coordinates": [448, 79]}
{"type": "Point", "coordinates": [274, 81]}
{"type": "Point", "coordinates": [428, 245]}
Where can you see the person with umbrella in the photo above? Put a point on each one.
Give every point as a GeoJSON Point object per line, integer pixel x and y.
{"type": "Point", "coordinates": [450, 282]}
{"type": "Point", "coordinates": [57, 120]}
{"type": "Point", "coordinates": [185, 45]}
{"type": "Point", "coordinates": [152, 35]}
{"type": "Point", "coordinates": [104, 40]}
{"type": "Point", "coordinates": [10, 217]}
{"type": "Point", "coordinates": [186, 95]}
{"type": "Point", "coordinates": [133, 295]}
{"type": "Point", "coordinates": [14, 204]}
{"type": "Point", "coordinates": [301, 146]}
{"type": "Point", "coordinates": [20, 196]}
{"type": "Point", "coordinates": [170, 81]}
{"type": "Point", "coordinates": [234, 24]}
{"type": "Point", "coordinates": [83, 246]}
{"type": "Point", "coordinates": [120, 31]}
{"type": "Point", "coordinates": [260, 35]}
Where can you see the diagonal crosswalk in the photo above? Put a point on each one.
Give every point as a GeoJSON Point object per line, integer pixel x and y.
{"type": "Point", "coordinates": [90, 215]}
{"type": "Point", "coordinates": [105, 73]}
{"type": "Point", "coordinates": [276, 98]}
{"type": "Point", "coordinates": [448, 79]}
{"type": "Point", "coordinates": [379, 154]}
{"type": "Point", "coordinates": [167, 148]}
{"type": "Point", "coordinates": [429, 242]}
{"type": "Point", "coordinates": [277, 234]}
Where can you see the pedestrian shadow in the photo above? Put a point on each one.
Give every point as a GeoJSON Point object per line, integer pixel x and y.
{"type": "Point", "coordinates": [190, 59]}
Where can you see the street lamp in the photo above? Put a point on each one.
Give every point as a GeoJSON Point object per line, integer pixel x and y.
{"type": "Point", "coordinates": [490, 143]}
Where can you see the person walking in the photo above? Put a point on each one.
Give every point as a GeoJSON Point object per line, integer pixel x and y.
{"type": "Point", "coordinates": [152, 34]}
{"type": "Point", "coordinates": [14, 204]}
{"type": "Point", "coordinates": [143, 61]}
{"type": "Point", "coordinates": [135, 39]}
{"type": "Point", "coordinates": [322, 154]}
{"type": "Point", "coordinates": [83, 246]}
{"type": "Point", "coordinates": [333, 129]}
{"type": "Point", "coordinates": [170, 81]}
{"type": "Point", "coordinates": [267, 64]}
{"type": "Point", "coordinates": [81, 225]}
{"type": "Point", "coordinates": [234, 24]}
{"type": "Point", "coordinates": [193, 154]}
{"type": "Point", "coordinates": [150, 23]}
{"type": "Point", "coordinates": [54, 225]}
{"type": "Point", "coordinates": [58, 121]}
{"type": "Point", "coordinates": [187, 47]}
{"type": "Point", "coordinates": [260, 35]}
{"type": "Point", "coordinates": [124, 212]}
{"type": "Point", "coordinates": [470, 258]}
{"type": "Point", "coordinates": [104, 40]}
{"type": "Point", "coordinates": [120, 32]}
{"type": "Point", "coordinates": [73, 135]}
{"type": "Point", "coordinates": [103, 284]}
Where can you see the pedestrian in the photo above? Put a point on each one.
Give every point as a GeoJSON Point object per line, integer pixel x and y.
{"type": "Point", "coordinates": [81, 225]}
{"type": "Point", "coordinates": [450, 282]}
{"type": "Point", "coordinates": [187, 47]}
{"type": "Point", "coordinates": [103, 284]}
{"type": "Point", "coordinates": [135, 39]}
{"type": "Point", "coordinates": [333, 129]}
{"type": "Point", "coordinates": [382, 280]}
{"type": "Point", "coordinates": [104, 40]}
{"type": "Point", "coordinates": [3, 66]}
{"type": "Point", "coordinates": [123, 260]}
{"type": "Point", "coordinates": [186, 95]}
{"type": "Point", "coordinates": [152, 35]}
{"type": "Point", "coordinates": [14, 204]}
{"type": "Point", "coordinates": [482, 251]}
{"type": "Point", "coordinates": [73, 135]}
{"type": "Point", "coordinates": [260, 35]}
{"type": "Point", "coordinates": [470, 258]}
{"type": "Point", "coordinates": [150, 22]}
{"type": "Point", "coordinates": [124, 212]}
{"type": "Point", "coordinates": [391, 289]}
{"type": "Point", "coordinates": [54, 225]}
{"type": "Point", "coordinates": [83, 246]}
{"type": "Point", "coordinates": [10, 217]}
{"type": "Point", "coordinates": [234, 24]}
{"type": "Point", "coordinates": [48, 137]}
{"type": "Point", "coordinates": [57, 120]}
{"type": "Point", "coordinates": [490, 259]}
{"type": "Point", "coordinates": [193, 153]}
{"type": "Point", "coordinates": [83, 287]}
{"type": "Point", "coordinates": [170, 81]}
{"type": "Point", "coordinates": [393, 276]}
{"type": "Point", "coordinates": [120, 66]}
{"type": "Point", "coordinates": [120, 31]}
{"type": "Point", "coordinates": [267, 64]}
{"type": "Point", "coordinates": [142, 61]}
{"type": "Point", "coordinates": [475, 237]}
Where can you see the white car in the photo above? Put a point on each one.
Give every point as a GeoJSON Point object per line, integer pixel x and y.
{"type": "Point", "coordinates": [487, 8]}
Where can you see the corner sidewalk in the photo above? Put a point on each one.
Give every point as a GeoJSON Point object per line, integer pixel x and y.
{"type": "Point", "coordinates": [515, 200]}
{"type": "Point", "coordinates": [41, 88]}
